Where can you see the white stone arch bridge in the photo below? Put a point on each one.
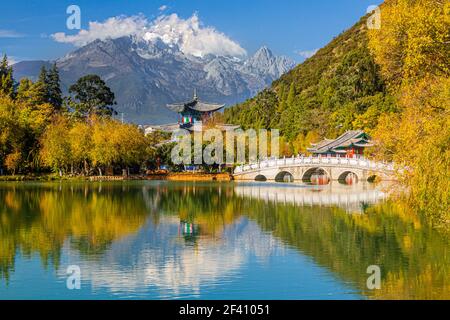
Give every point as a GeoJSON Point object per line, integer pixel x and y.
{"type": "Point", "coordinates": [298, 169]}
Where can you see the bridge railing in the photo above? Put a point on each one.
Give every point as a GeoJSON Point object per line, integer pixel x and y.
{"type": "Point", "coordinates": [361, 163]}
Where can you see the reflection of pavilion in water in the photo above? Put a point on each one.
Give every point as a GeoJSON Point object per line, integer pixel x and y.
{"type": "Point", "coordinates": [351, 198]}
{"type": "Point", "coordinates": [188, 230]}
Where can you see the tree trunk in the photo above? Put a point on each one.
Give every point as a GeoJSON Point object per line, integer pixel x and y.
{"type": "Point", "coordinates": [86, 169]}
{"type": "Point", "coordinates": [100, 171]}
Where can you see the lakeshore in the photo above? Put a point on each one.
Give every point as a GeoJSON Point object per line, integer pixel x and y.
{"type": "Point", "coordinates": [170, 176]}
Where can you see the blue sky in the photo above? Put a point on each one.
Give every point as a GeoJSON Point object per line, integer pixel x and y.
{"type": "Point", "coordinates": [286, 26]}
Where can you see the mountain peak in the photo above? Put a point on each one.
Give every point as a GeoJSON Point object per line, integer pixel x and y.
{"type": "Point", "coordinates": [147, 75]}
{"type": "Point", "coordinates": [263, 53]}
{"type": "Point", "coordinates": [264, 62]}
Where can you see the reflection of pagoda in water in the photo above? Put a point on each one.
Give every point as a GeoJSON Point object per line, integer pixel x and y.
{"type": "Point", "coordinates": [188, 230]}
{"type": "Point", "coordinates": [193, 113]}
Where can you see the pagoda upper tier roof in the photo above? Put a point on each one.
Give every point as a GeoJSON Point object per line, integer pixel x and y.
{"type": "Point", "coordinates": [195, 105]}
{"type": "Point", "coordinates": [356, 138]}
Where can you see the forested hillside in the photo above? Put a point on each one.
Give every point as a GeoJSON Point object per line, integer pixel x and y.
{"type": "Point", "coordinates": [393, 82]}
{"type": "Point", "coordinates": [338, 89]}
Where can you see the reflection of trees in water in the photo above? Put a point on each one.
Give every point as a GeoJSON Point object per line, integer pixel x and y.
{"type": "Point", "coordinates": [413, 257]}
{"type": "Point", "coordinates": [210, 206]}
{"type": "Point", "coordinates": [40, 218]}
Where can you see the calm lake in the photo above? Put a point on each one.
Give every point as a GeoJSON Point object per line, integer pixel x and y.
{"type": "Point", "coordinates": [180, 240]}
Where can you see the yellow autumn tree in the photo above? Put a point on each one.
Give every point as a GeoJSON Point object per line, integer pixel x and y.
{"type": "Point", "coordinates": [303, 142]}
{"type": "Point", "coordinates": [133, 147]}
{"type": "Point", "coordinates": [412, 50]}
{"type": "Point", "coordinates": [105, 145]}
{"type": "Point", "coordinates": [80, 139]}
{"type": "Point", "coordinates": [55, 151]}
{"type": "Point", "coordinates": [115, 143]}
{"type": "Point", "coordinates": [413, 40]}
{"type": "Point", "coordinates": [12, 161]}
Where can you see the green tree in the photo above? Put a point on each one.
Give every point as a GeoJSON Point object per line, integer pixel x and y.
{"type": "Point", "coordinates": [54, 88]}
{"type": "Point", "coordinates": [6, 78]}
{"type": "Point", "coordinates": [31, 94]}
{"type": "Point", "coordinates": [92, 97]}
{"type": "Point", "coordinates": [291, 95]}
{"type": "Point", "coordinates": [43, 81]}
{"type": "Point", "coordinates": [47, 88]}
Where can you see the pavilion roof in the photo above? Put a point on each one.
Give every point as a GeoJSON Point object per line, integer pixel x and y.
{"type": "Point", "coordinates": [195, 105]}
{"type": "Point", "coordinates": [351, 138]}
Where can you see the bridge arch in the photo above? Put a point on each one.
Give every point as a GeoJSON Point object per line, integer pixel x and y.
{"type": "Point", "coordinates": [284, 176]}
{"type": "Point", "coordinates": [261, 178]}
{"type": "Point", "coordinates": [348, 177]}
{"type": "Point", "coordinates": [320, 169]}
{"type": "Point", "coordinates": [308, 174]}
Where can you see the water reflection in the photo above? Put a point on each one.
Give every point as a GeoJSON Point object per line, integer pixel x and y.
{"type": "Point", "coordinates": [213, 240]}
{"type": "Point", "coordinates": [352, 198]}
{"type": "Point", "coordinates": [156, 259]}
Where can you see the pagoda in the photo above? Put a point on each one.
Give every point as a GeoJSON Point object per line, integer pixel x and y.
{"type": "Point", "coordinates": [194, 112]}
{"type": "Point", "coordinates": [351, 145]}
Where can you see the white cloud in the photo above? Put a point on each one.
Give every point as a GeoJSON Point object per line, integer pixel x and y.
{"type": "Point", "coordinates": [192, 37]}
{"type": "Point", "coordinates": [163, 8]}
{"type": "Point", "coordinates": [114, 27]}
{"type": "Point", "coordinates": [188, 34]}
{"type": "Point", "coordinates": [10, 34]}
{"type": "Point", "coordinates": [306, 53]}
{"type": "Point", "coordinates": [11, 59]}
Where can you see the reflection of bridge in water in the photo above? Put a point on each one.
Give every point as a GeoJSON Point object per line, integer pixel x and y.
{"type": "Point", "coordinates": [351, 198]}
{"type": "Point", "coordinates": [303, 168]}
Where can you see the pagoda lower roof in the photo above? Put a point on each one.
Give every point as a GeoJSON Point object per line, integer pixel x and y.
{"type": "Point", "coordinates": [172, 127]}
{"type": "Point", "coordinates": [195, 105]}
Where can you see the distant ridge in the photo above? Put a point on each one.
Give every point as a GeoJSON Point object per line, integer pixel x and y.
{"type": "Point", "coordinates": [145, 76]}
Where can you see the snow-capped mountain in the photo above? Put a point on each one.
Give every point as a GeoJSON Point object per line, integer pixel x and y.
{"type": "Point", "coordinates": [264, 63]}
{"type": "Point", "coordinates": [146, 74]}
